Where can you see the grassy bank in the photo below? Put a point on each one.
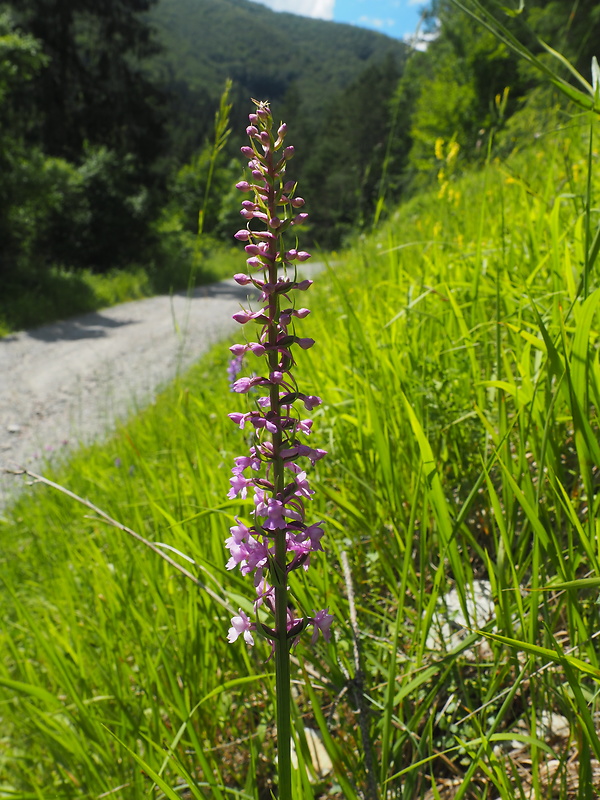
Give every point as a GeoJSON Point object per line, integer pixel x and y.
{"type": "Point", "coordinates": [457, 359]}
{"type": "Point", "coordinates": [51, 294]}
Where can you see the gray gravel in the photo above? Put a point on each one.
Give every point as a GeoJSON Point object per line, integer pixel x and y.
{"type": "Point", "coordinates": [68, 383]}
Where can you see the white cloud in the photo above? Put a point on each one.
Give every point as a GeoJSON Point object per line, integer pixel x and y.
{"type": "Point", "coordinates": [420, 41]}
{"type": "Point", "coordinates": [377, 22]}
{"type": "Point", "coordinates": [319, 9]}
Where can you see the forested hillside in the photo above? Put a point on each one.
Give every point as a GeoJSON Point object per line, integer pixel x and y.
{"type": "Point", "coordinates": [107, 113]}
{"type": "Point", "coordinates": [299, 64]}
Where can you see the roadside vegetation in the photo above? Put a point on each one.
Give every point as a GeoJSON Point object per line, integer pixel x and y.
{"type": "Point", "coordinates": [59, 293]}
{"type": "Point", "coordinates": [107, 142]}
{"type": "Point", "coordinates": [458, 363]}
{"type": "Point", "coordinates": [457, 358]}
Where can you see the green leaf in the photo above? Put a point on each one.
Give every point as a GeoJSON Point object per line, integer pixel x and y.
{"type": "Point", "coordinates": [154, 776]}
{"type": "Point", "coordinates": [545, 653]}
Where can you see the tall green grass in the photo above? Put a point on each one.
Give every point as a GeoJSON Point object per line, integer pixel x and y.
{"type": "Point", "coordinates": [458, 362]}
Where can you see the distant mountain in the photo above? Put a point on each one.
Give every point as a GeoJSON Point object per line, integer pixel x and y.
{"type": "Point", "coordinates": [301, 65]}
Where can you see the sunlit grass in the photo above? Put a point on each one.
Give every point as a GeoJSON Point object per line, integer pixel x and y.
{"type": "Point", "coordinates": [457, 359]}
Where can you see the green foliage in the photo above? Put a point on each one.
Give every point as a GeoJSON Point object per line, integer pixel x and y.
{"type": "Point", "coordinates": [103, 218]}
{"type": "Point", "coordinates": [20, 56]}
{"type": "Point", "coordinates": [92, 216]}
{"type": "Point", "coordinates": [298, 63]}
{"type": "Point", "coordinates": [329, 75]}
{"type": "Point", "coordinates": [91, 93]}
{"type": "Point", "coordinates": [188, 191]}
{"type": "Point", "coordinates": [198, 189]}
{"type": "Point", "coordinates": [92, 90]}
{"type": "Point", "coordinates": [572, 28]}
{"type": "Point", "coordinates": [456, 356]}
{"type": "Point", "coordinates": [78, 135]}
{"type": "Point", "coordinates": [32, 299]}
{"type": "Point", "coordinates": [451, 91]}
{"type": "Point", "coordinates": [87, 180]}
{"type": "Point", "coordinates": [454, 90]}
{"type": "Point", "coordinates": [341, 171]}
{"type": "Point", "coordinates": [20, 59]}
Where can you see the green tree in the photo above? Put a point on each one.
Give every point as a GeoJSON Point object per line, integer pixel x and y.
{"type": "Point", "coordinates": [90, 131]}
{"type": "Point", "coordinates": [343, 171]}
{"type": "Point", "coordinates": [21, 166]}
{"type": "Point", "coordinates": [458, 79]}
{"type": "Point", "coordinates": [93, 89]}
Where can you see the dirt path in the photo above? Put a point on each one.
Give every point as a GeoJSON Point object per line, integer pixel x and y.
{"type": "Point", "coordinates": [67, 383]}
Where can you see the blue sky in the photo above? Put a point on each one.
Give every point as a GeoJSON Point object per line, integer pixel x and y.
{"type": "Point", "coordinates": [397, 18]}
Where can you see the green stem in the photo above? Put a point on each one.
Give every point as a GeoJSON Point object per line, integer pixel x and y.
{"type": "Point", "coordinates": [279, 580]}
{"type": "Point", "coordinates": [282, 681]}
{"type": "Point", "coordinates": [279, 571]}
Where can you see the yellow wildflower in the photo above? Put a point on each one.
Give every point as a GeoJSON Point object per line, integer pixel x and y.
{"type": "Point", "coordinates": [439, 149]}
{"type": "Point", "coordinates": [452, 152]}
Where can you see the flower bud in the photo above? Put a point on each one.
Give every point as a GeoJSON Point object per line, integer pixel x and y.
{"type": "Point", "coordinates": [243, 186]}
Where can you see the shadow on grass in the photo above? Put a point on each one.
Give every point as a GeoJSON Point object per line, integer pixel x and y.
{"type": "Point", "coordinates": [31, 300]}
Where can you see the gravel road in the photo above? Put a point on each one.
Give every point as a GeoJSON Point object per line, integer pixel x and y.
{"type": "Point", "coordinates": [67, 383]}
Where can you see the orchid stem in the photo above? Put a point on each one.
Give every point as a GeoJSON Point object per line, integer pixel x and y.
{"type": "Point", "coordinates": [282, 681]}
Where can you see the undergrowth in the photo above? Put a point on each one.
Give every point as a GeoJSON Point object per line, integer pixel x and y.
{"type": "Point", "coordinates": [53, 293]}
